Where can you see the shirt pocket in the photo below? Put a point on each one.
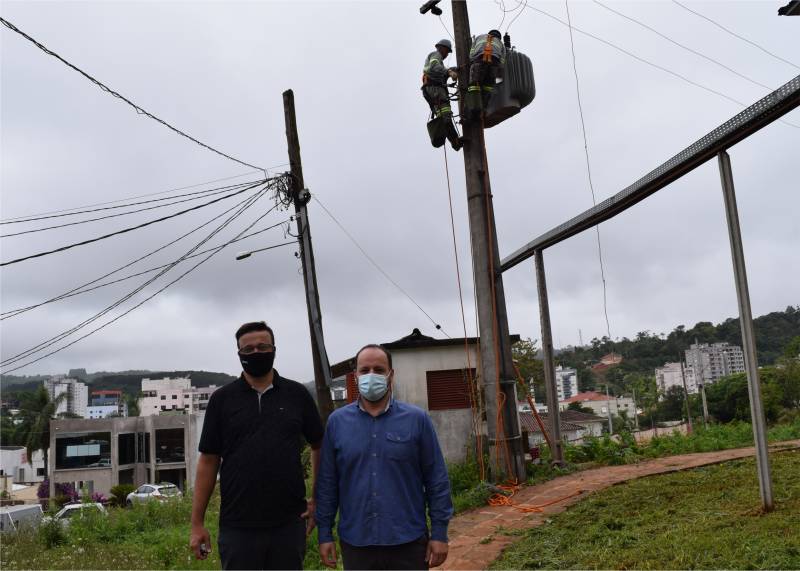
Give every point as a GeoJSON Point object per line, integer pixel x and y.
{"type": "Point", "coordinates": [399, 446]}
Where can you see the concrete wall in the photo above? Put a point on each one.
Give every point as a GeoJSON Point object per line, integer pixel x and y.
{"type": "Point", "coordinates": [453, 427]}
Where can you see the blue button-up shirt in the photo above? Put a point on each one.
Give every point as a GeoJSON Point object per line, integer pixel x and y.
{"type": "Point", "coordinates": [381, 473]}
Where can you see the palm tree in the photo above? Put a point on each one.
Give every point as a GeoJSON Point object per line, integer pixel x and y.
{"type": "Point", "coordinates": [37, 410]}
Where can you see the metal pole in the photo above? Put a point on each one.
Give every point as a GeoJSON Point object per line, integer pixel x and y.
{"type": "Point", "coordinates": [497, 369]}
{"type": "Point", "coordinates": [553, 413]}
{"type": "Point", "coordinates": [322, 369]}
{"type": "Point", "coordinates": [748, 334]}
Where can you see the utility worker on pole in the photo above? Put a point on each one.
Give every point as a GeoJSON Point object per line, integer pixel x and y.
{"type": "Point", "coordinates": [487, 58]}
{"type": "Point", "coordinates": [434, 89]}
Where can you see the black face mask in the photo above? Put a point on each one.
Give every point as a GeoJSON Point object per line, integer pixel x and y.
{"type": "Point", "coordinates": [257, 364]}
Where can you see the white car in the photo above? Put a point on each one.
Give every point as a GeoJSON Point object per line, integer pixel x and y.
{"type": "Point", "coordinates": [71, 511]}
{"type": "Point", "coordinates": [147, 492]}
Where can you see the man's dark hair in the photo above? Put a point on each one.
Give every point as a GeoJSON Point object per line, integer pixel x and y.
{"type": "Point", "coordinates": [254, 326]}
{"type": "Point", "coordinates": [375, 346]}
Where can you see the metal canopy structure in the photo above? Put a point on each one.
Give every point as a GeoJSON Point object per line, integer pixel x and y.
{"type": "Point", "coordinates": [759, 115]}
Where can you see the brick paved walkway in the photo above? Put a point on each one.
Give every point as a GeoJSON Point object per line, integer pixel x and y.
{"type": "Point", "coordinates": [470, 529]}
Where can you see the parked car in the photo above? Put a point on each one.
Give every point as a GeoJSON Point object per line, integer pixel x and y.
{"type": "Point", "coordinates": [71, 511]}
{"type": "Point", "coordinates": [102, 463]}
{"type": "Point", "coordinates": [13, 518]}
{"type": "Point", "coordinates": [147, 492]}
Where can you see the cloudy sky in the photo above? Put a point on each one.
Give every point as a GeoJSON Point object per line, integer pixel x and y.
{"type": "Point", "coordinates": [217, 71]}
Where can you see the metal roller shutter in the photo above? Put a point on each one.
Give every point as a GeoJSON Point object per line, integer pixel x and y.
{"type": "Point", "coordinates": [449, 389]}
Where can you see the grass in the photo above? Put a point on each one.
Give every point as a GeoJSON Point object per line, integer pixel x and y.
{"type": "Point", "coordinates": [707, 518]}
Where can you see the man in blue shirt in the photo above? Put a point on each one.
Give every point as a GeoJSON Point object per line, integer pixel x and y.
{"type": "Point", "coordinates": [381, 468]}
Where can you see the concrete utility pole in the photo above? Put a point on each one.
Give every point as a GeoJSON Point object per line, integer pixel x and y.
{"type": "Point", "coordinates": [608, 408]}
{"type": "Point", "coordinates": [748, 333]}
{"type": "Point", "coordinates": [300, 197]}
{"type": "Point", "coordinates": [686, 396]}
{"type": "Point", "coordinates": [705, 404]}
{"type": "Point", "coordinates": [495, 345]}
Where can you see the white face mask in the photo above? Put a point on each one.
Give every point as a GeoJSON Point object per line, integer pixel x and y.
{"type": "Point", "coordinates": [373, 386]}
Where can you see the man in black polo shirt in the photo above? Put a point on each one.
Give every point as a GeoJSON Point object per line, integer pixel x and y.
{"type": "Point", "coordinates": [254, 427]}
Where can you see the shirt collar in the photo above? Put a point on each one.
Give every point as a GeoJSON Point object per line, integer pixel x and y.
{"type": "Point", "coordinates": [245, 386]}
{"type": "Point", "coordinates": [389, 404]}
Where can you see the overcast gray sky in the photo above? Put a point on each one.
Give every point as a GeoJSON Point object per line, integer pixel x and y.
{"type": "Point", "coordinates": [217, 71]}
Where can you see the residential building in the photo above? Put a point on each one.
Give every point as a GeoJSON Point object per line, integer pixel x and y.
{"type": "Point", "coordinates": [433, 375]}
{"type": "Point", "coordinates": [77, 395]}
{"type": "Point", "coordinates": [714, 361]}
{"type": "Point", "coordinates": [566, 382]}
{"type": "Point", "coordinates": [106, 403]}
{"type": "Point", "coordinates": [670, 375]}
{"type": "Point", "coordinates": [174, 396]}
{"type": "Point", "coordinates": [97, 454]}
{"type": "Point", "coordinates": [14, 462]}
{"type": "Point", "coordinates": [601, 404]}
{"type": "Point", "coordinates": [532, 434]}
{"type": "Point", "coordinates": [607, 361]}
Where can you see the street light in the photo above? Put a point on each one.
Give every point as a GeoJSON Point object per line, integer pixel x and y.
{"type": "Point", "coordinates": [248, 253]}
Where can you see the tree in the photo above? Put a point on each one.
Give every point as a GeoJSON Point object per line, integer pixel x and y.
{"type": "Point", "coordinates": [576, 406]}
{"type": "Point", "coordinates": [38, 410]}
{"type": "Point", "coordinates": [530, 368]}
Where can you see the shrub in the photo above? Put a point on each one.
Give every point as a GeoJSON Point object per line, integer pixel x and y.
{"type": "Point", "coordinates": [51, 534]}
{"type": "Point", "coordinates": [120, 493]}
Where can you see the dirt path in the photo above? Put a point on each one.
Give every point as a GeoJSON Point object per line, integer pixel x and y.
{"type": "Point", "coordinates": [475, 542]}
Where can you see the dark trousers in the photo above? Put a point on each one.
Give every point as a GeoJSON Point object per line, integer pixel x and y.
{"type": "Point", "coordinates": [281, 547]}
{"type": "Point", "coordinates": [403, 556]}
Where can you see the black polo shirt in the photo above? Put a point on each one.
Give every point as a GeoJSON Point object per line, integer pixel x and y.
{"type": "Point", "coordinates": [260, 440]}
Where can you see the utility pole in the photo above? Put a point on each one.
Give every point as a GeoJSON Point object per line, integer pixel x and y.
{"type": "Point", "coordinates": [635, 410]}
{"type": "Point", "coordinates": [300, 197]}
{"type": "Point", "coordinates": [686, 395]}
{"type": "Point", "coordinates": [608, 408]}
{"type": "Point", "coordinates": [497, 370]}
{"type": "Point", "coordinates": [705, 403]}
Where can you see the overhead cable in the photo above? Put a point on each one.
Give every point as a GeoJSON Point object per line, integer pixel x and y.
{"type": "Point", "coordinates": [735, 35]}
{"type": "Point", "coordinates": [30, 216]}
{"type": "Point", "coordinates": [645, 61]}
{"type": "Point", "coordinates": [125, 230]}
{"type": "Point", "coordinates": [202, 195]}
{"type": "Point", "coordinates": [85, 289]}
{"type": "Point", "coordinates": [380, 269]}
{"type": "Point", "coordinates": [23, 220]}
{"type": "Point", "coordinates": [138, 109]}
{"type": "Point", "coordinates": [126, 312]}
{"type": "Point", "coordinates": [588, 167]}
{"type": "Point", "coordinates": [64, 334]}
{"type": "Point", "coordinates": [683, 46]}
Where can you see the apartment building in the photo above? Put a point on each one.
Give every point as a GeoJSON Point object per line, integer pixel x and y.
{"type": "Point", "coordinates": [105, 403]}
{"type": "Point", "coordinates": [77, 395]}
{"type": "Point", "coordinates": [566, 382]}
{"type": "Point", "coordinates": [714, 361]}
{"type": "Point", "coordinates": [669, 376]}
{"type": "Point", "coordinates": [173, 395]}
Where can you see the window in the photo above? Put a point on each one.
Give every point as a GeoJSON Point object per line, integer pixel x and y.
{"type": "Point", "coordinates": [163, 397]}
{"type": "Point", "coordinates": [163, 407]}
{"type": "Point", "coordinates": [449, 389]}
{"type": "Point", "coordinates": [40, 471]}
{"type": "Point", "coordinates": [143, 442]}
{"type": "Point", "coordinates": [87, 450]}
{"type": "Point", "coordinates": [126, 448]}
{"type": "Point", "coordinates": [169, 445]}
{"type": "Point", "coordinates": [174, 397]}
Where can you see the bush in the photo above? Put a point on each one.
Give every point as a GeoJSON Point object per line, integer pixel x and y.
{"type": "Point", "coordinates": [51, 534]}
{"type": "Point", "coordinates": [119, 494]}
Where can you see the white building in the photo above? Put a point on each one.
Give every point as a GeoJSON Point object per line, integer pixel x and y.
{"type": "Point", "coordinates": [102, 411]}
{"type": "Point", "coordinates": [669, 376]}
{"type": "Point", "coordinates": [14, 462]}
{"type": "Point", "coordinates": [714, 361]}
{"type": "Point", "coordinates": [77, 395]}
{"type": "Point", "coordinates": [600, 404]}
{"type": "Point", "coordinates": [566, 382]}
{"type": "Point", "coordinates": [174, 396]}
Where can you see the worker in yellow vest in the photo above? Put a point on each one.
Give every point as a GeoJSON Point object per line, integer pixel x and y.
{"type": "Point", "coordinates": [487, 58]}
{"type": "Point", "coordinates": [434, 89]}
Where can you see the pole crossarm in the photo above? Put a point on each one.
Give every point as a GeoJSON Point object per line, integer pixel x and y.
{"type": "Point", "coordinates": [757, 116]}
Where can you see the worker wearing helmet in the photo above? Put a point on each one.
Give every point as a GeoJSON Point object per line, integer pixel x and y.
{"type": "Point", "coordinates": [434, 89]}
{"type": "Point", "coordinates": [487, 58]}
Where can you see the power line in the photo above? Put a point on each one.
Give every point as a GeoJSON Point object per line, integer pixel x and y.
{"type": "Point", "coordinates": [204, 194]}
{"type": "Point", "coordinates": [645, 61]}
{"type": "Point", "coordinates": [61, 336]}
{"type": "Point", "coordinates": [108, 90]}
{"type": "Point", "coordinates": [683, 46]}
{"type": "Point", "coordinates": [129, 264]}
{"type": "Point", "coordinates": [735, 35]}
{"type": "Point", "coordinates": [23, 220]}
{"type": "Point", "coordinates": [30, 216]}
{"type": "Point", "coordinates": [445, 28]}
{"type": "Point", "coordinates": [524, 4]}
{"type": "Point", "coordinates": [588, 167]}
{"type": "Point", "coordinates": [84, 289]}
{"type": "Point", "coordinates": [124, 230]}
{"type": "Point", "coordinates": [374, 263]}
{"type": "Point", "coordinates": [117, 318]}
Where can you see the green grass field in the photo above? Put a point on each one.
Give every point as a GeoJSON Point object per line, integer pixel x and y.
{"type": "Point", "coordinates": [707, 518]}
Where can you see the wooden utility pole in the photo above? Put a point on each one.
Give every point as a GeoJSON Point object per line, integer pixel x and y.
{"type": "Point", "coordinates": [497, 369]}
{"type": "Point", "coordinates": [686, 396]}
{"type": "Point", "coordinates": [300, 197]}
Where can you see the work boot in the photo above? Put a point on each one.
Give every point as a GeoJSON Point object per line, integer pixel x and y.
{"type": "Point", "coordinates": [457, 143]}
